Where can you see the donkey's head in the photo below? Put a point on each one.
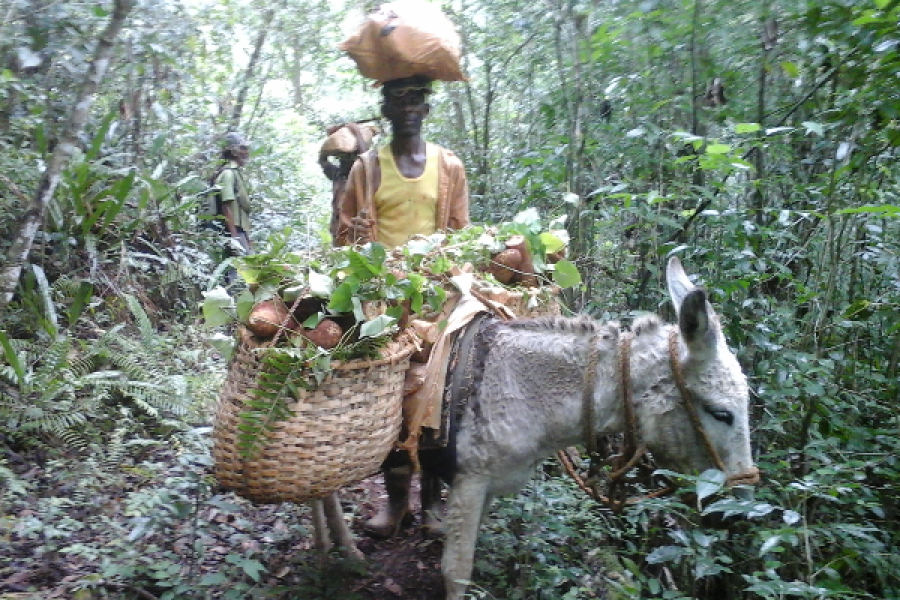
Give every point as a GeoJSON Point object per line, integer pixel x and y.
{"type": "Point", "coordinates": [712, 387]}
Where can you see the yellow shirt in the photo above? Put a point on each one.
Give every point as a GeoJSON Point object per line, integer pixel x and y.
{"type": "Point", "coordinates": [405, 206]}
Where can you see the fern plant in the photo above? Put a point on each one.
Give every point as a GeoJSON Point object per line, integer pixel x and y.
{"type": "Point", "coordinates": [58, 387]}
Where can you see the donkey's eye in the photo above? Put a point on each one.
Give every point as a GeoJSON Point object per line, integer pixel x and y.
{"type": "Point", "coordinates": [721, 415]}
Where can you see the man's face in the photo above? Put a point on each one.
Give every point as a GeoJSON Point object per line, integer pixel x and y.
{"type": "Point", "coordinates": [405, 108]}
{"type": "Point", "coordinates": [241, 153]}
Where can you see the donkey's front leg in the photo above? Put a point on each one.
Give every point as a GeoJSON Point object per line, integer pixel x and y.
{"type": "Point", "coordinates": [465, 507]}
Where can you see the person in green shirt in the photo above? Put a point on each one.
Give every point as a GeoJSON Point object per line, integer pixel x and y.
{"type": "Point", "coordinates": [230, 184]}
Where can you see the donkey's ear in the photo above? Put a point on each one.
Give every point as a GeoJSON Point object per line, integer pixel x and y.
{"type": "Point", "coordinates": [699, 326]}
{"type": "Point", "coordinates": [679, 284]}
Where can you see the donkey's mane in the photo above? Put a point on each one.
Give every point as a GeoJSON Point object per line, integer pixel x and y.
{"type": "Point", "coordinates": [646, 324]}
{"type": "Point", "coordinates": [643, 325]}
{"type": "Point", "coordinates": [577, 324]}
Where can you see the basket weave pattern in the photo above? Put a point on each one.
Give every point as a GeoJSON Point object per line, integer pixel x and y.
{"type": "Point", "coordinates": [548, 307]}
{"type": "Point", "coordinates": [339, 433]}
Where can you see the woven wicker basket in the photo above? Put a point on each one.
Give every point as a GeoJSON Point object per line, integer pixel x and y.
{"type": "Point", "coordinates": [339, 433]}
{"type": "Point", "coordinates": [548, 303]}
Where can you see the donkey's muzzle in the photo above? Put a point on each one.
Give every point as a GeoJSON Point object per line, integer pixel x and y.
{"type": "Point", "coordinates": [748, 477]}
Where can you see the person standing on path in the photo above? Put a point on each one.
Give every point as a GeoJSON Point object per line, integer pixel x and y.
{"type": "Point", "coordinates": [408, 187]}
{"type": "Point", "coordinates": [230, 185]}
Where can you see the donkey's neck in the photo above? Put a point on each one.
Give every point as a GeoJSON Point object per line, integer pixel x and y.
{"type": "Point", "coordinates": [648, 363]}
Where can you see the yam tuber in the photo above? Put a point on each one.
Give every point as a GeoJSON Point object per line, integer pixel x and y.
{"type": "Point", "coordinates": [504, 265]}
{"type": "Point", "coordinates": [526, 275]}
{"type": "Point", "coordinates": [267, 317]}
{"type": "Point", "coordinates": [327, 334]}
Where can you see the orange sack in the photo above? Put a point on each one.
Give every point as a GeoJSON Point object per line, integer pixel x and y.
{"type": "Point", "coordinates": [405, 39]}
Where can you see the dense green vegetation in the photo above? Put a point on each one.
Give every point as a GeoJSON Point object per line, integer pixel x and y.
{"type": "Point", "coordinates": [756, 139]}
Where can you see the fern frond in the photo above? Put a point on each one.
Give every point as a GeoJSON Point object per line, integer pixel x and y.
{"type": "Point", "coordinates": [145, 326]}
{"type": "Point", "coordinates": [284, 372]}
{"type": "Point", "coordinates": [46, 296]}
{"type": "Point", "coordinates": [73, 438]}
{"type": "Point", "coordinates": [116, 450]}
{"type": "Point", "coordinates": [53, 423]}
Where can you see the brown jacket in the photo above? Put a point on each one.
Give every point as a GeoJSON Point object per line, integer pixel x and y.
{"type": "Point", "coordinates": [365, 177]}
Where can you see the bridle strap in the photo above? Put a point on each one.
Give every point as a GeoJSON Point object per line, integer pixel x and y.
{"type": "Point", "coordinates": [631, 436]}
{"type": "Point", "coordinates": [688, 399]}
{"type": "Point", "coordinates": [587, 397]}
{"type": "Point", "coordinates": [633, 452]}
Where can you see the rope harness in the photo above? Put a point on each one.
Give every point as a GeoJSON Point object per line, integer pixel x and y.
{"type": "Point", "coordinates": [633, 454]}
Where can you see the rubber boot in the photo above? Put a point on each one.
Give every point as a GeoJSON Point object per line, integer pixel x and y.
{"type": "Point", "coordinates": [392, 515]}
{"type": "Point", "coordinates": [432, 504]}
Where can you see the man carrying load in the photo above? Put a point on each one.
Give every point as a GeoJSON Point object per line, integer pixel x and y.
{"type": "Point", "coordinates": [336, 157]}
{"type": "Point", "coordinates": [406, 188]}
{"type": "Point", "coordinates": [409, 186]}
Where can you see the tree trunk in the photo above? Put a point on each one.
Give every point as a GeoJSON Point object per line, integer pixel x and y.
{"type": "Point", "coordinates": [34, 215]}
{"type": "Point", "coordinates": [251, 68]}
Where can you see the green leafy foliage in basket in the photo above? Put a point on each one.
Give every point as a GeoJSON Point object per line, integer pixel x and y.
{"type": "Point", "coordinates": [309, 309]}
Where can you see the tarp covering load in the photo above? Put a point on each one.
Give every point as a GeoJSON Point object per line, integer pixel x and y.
{"type": "Point", "coordinates": [406, 39]}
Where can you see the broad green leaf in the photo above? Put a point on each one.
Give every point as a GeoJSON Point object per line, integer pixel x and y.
{"type": "Point", "coordinates": [769, 544]}
{"type": "Point", "coordinates": [361, 267]}
{"type": "Point", "coordinates": [320, 286]}
{"type": "Point", "coordinates": [12, 357]}
{"type": "Point", "coordinates": [812, 127]}
{"type": "Point", "coordinates": [531, 219]}
{"type": "Point", "coordinates": [710, 482]}
{"type": "Point", "coordinates": [313, 320]}
{"type": "Point", "coordinates": [213, 579]}
{"type": "Point", "coordinates": [342, 298]}
{"type": "Point", "coordinates": [746, 127]}
{"type": "Point", "coordinates": [790, 69]}
{"type": "Point", "coordinates": [718, 149]}
{"type": "Point", "coordinates": [666, 554]}
{"type": "Point", "coordinates": [441, 264]}
{"type": "Point", "coordinates": [218, 307]}
{"type": "Point", "coordinates": [249, 274]}
{"type": "Point", "coordinates": [566, 275]}
{"type": "Point", "coordinates": [376, 326]}
{"type": "Point", "coordinates": [885, 210]}
{"type": "Point", "coordinates": [252, 568]}
{"type": "Point", "coordinates": [244, 304]}
{"type": "Point", "coordinates": [552, 242]}
{"type": "Point", "coordinates": [417, 281]}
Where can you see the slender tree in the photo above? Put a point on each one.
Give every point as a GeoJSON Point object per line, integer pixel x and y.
{"type": "Point", "coordinates": [34, 215]}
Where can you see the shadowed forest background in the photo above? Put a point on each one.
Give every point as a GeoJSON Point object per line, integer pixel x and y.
{"type": "Point", "coordinates": [757, 139]}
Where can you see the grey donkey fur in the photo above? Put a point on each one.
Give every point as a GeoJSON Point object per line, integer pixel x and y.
{"type": "Point", "coordinates": [529, 404]}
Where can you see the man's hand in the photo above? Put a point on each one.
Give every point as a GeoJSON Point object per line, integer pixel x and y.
{"type": "Point", "coordinates": [361, 228]}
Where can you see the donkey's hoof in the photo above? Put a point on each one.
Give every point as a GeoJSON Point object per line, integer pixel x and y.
{"type": "Point", "coordinates": [434, 526]}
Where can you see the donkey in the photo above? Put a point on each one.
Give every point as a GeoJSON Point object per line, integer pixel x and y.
{"type": "Point", "coordinates": [542, 379]}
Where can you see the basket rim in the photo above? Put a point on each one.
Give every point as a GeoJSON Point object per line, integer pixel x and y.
{"type": "Point", "coordinates": [400, 349]}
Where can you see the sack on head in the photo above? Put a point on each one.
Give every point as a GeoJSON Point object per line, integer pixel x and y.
{"type": "Point", "coordinates": [405, 39]}
{"type": "Point", "coordinates": [344, 140]}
